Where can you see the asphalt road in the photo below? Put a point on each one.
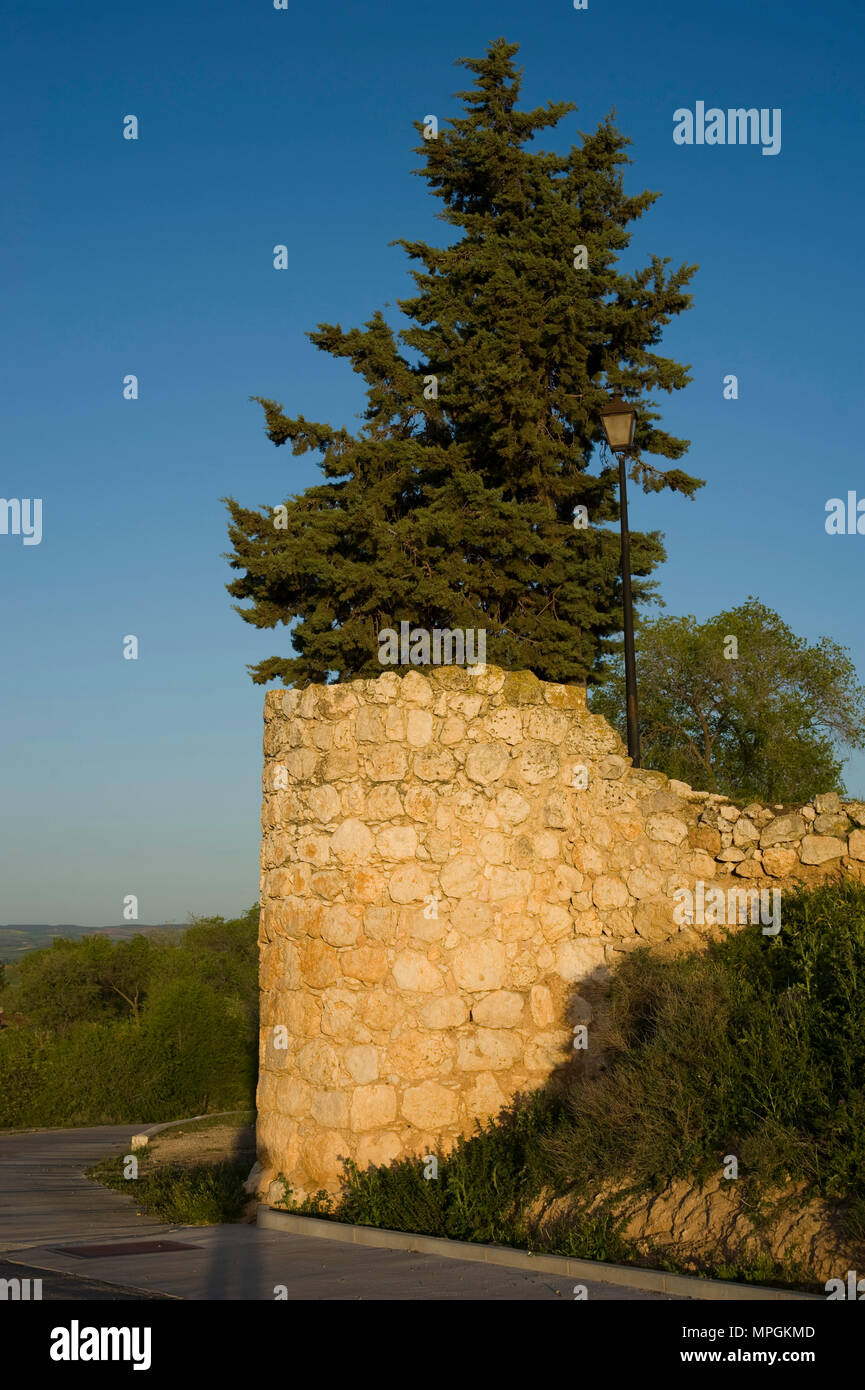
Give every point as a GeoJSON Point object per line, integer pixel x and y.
{"type": "Point", "coordinates": [46, 1202]}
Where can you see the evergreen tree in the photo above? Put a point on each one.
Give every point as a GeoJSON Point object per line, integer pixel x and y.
{"type": "Point", "coordinates": [454, 505]}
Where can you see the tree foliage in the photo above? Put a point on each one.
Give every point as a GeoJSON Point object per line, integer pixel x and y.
{"type": "Point", "coordinates": [768, 724]}
{"type": "Point", "coordinates": [453, 505]}
{"type": "Point", "coordinates": [105, 1032]}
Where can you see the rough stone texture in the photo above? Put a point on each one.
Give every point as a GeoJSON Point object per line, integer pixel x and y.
{"type": "Point", "coordinates": [441, 904]}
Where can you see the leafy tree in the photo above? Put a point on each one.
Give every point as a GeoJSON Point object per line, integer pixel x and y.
{"type": "Point", "coordinates": [454, 506]}
{"type": "Point", "coordinates": [128, 970]}
{"type": "Point", "coordinates": [765, 724]}
{"type": "Point", "coordinates": [63, 983]}
{"type": "Point", "coordinates": [102, 1032]}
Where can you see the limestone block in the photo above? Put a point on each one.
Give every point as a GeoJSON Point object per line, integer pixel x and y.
{"type": "Point", "coordinates": [416, 689]}
{"type": "Point", "coordinates": [780, 861]}
{"type": "Point", "coordinates": [485, 1098]}
{"type": "Point", "coordinates": [493, 847]}
{"type": "Point", "coordinates": [328, 884]}
{"type": "Point", "coordinates": [372, 1106]}
{"type": "Point", "coordinates": [322, 1153]}
{"type": "Point", "coordinates": [339, 766]}
{"type": "Point", "coordinates": [542, 1006]}
{"type": "Point", "coordinates": [416, 1054]}
{"type": "Point", "coordinates": [511, 807]}
{"type": "Point", "coordinates": [412, 971]}
{"type": "Point", "coordinates": [480, 965]}
{"type": "Point", "coordinates": [745, 832]}
{"type": "Point", "coordinates": [409, 883]}
{"type": "Point", "coordinates": [363, 885]}
{"type": "Point", "coordinates": [487, 762]}
{"type": "Point", "coordinates": [444, 1011]}
{"type": "Point", "coordinates": [547, 725]}
{"type": "Point", "coordinates": [330, 1108]}
{"type": "Point", "coordinates": [379, 923]}
{"type": "Point", "coordinates": [369, 725]}
{"type": "Point", "coordinates": [300, 1012]}
{"type": "Point", "coordinates": [566, 881]}
{"type": "Point", "coordinates": [546, 845]}
{"type": "Point", "coordinates": [488, 1049]}
{"type": "Point", "coordinates": [472, 918]}
{"type": "Point", "coordinates": [829, 801]}
{"type": "Point", "coordinates": [654, 919]}
{"type": "Point", "coordinates": [749, 868]}
{"type": "Point", "coordinates": [707, 838]}
{"type": "Point", "coordinates": [500, 1009]}
{"type": "Point", "coordinates": [555, 921]}
{"type": "Point", "coordinates": [453, 730]}
{"type": "Point", "coordinates": [461, 877]}
{"type": "Point", "coordinates": [318, 963]}
{"type": "Point", "coordinates": [508, 883]}
{"type": "Point", "coordinates": [430, 1106]}
{"type": "Point", "coordinates": [645, 882]}
{"type": "Point", "coordinates": [419, 727]}
{"type": "Point", "coordinates": [362, 1063]}
{"type": "Point", "coordinates": [666, 827]}
{"type": "Point", "coordinates": [819, 849]}
{"type": "Point", "coordinates": [783, 830]}
{"type": "Point", "coordinates": [421, 803]}
{"type": "Point", "coordinates": [318, 1063]}
{"type": "Point", "coordinates": [292, 1096]}
{"type": "Point", "coordinates": [435, 766]}
{"type": "Point", "coordinates": [612, 767]}
{"type": "Point", "coordinates": [538, 762]}
{"type": "Point", "coordinates": [383, 802]}
{"type": "Point", "coordinates": [506, 725]}
{"type": "Point", "coordinates": [856, 844]}
{"type": "Point", "coordinates": [301, 764]}
{"type": "Point", "coordinates": [378, 1150]}
{"type": "Point", "coordinates": [365, 963]}
{"type": "Point", "coordinates": [386, 762]}
{"type": "Point", "coordinates": [341, 925]}
{"type": "Point", "coordinates": [315, 849]}
{"type": "Point", "coordinates": [339, 1007]}
{"type": "Point", "coordinates": [580, 960]}
{"type": "Point", "coordinates": [831, 823]}
{"type": "Point", "coordinates": [382, 1012]}
{"type": "Point", "coordinates": [609, 892]}
{"type": "Point", "coordinates": [397, 842]}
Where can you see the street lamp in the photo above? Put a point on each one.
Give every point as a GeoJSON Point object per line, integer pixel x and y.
{"type": "Point", "coordinates": [619, 420]}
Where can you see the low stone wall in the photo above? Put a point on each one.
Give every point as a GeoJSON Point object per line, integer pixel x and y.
{"type": "Point", "coordinates": [451, 864]}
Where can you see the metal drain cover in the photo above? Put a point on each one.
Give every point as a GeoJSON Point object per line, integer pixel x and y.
{"type": "Point", "coordinates": [132, 1247]}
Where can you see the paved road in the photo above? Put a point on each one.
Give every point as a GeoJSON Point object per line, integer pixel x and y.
{"type": "Point", "coordinates": [46, 1202]}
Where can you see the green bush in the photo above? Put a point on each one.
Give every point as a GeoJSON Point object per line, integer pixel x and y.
{"type": "Point", "coordinates": [192, 1194]}
{"type": "Point", "coordinates": [137, 1031]}
{"type": "Point", "coordinates": [754, 1047]}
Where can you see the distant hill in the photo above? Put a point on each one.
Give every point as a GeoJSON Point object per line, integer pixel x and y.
{"type": "Point", "coordinates": [16, 941]}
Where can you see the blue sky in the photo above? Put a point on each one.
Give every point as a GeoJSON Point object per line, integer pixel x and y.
{"type": "Point", "coordinates": [154, 257]}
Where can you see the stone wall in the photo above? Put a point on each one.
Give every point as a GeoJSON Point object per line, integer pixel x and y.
{"type": "Point", "coordinates": [451, 864]}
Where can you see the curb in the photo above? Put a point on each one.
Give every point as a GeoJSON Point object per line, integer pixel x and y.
{"type": "Point", "coordinates": [625, 1276]}
{"type": "Point", "coordinates": [141, 1140]}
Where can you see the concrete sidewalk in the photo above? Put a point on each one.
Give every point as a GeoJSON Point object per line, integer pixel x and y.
{"type": "Point", "coordinates": [46, 1202]}
{"type": "Point", "coordinates": [238, 1263]}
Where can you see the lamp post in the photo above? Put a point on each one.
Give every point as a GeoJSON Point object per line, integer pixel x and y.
{"type": "Point", "coordinates": [619, 420]}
